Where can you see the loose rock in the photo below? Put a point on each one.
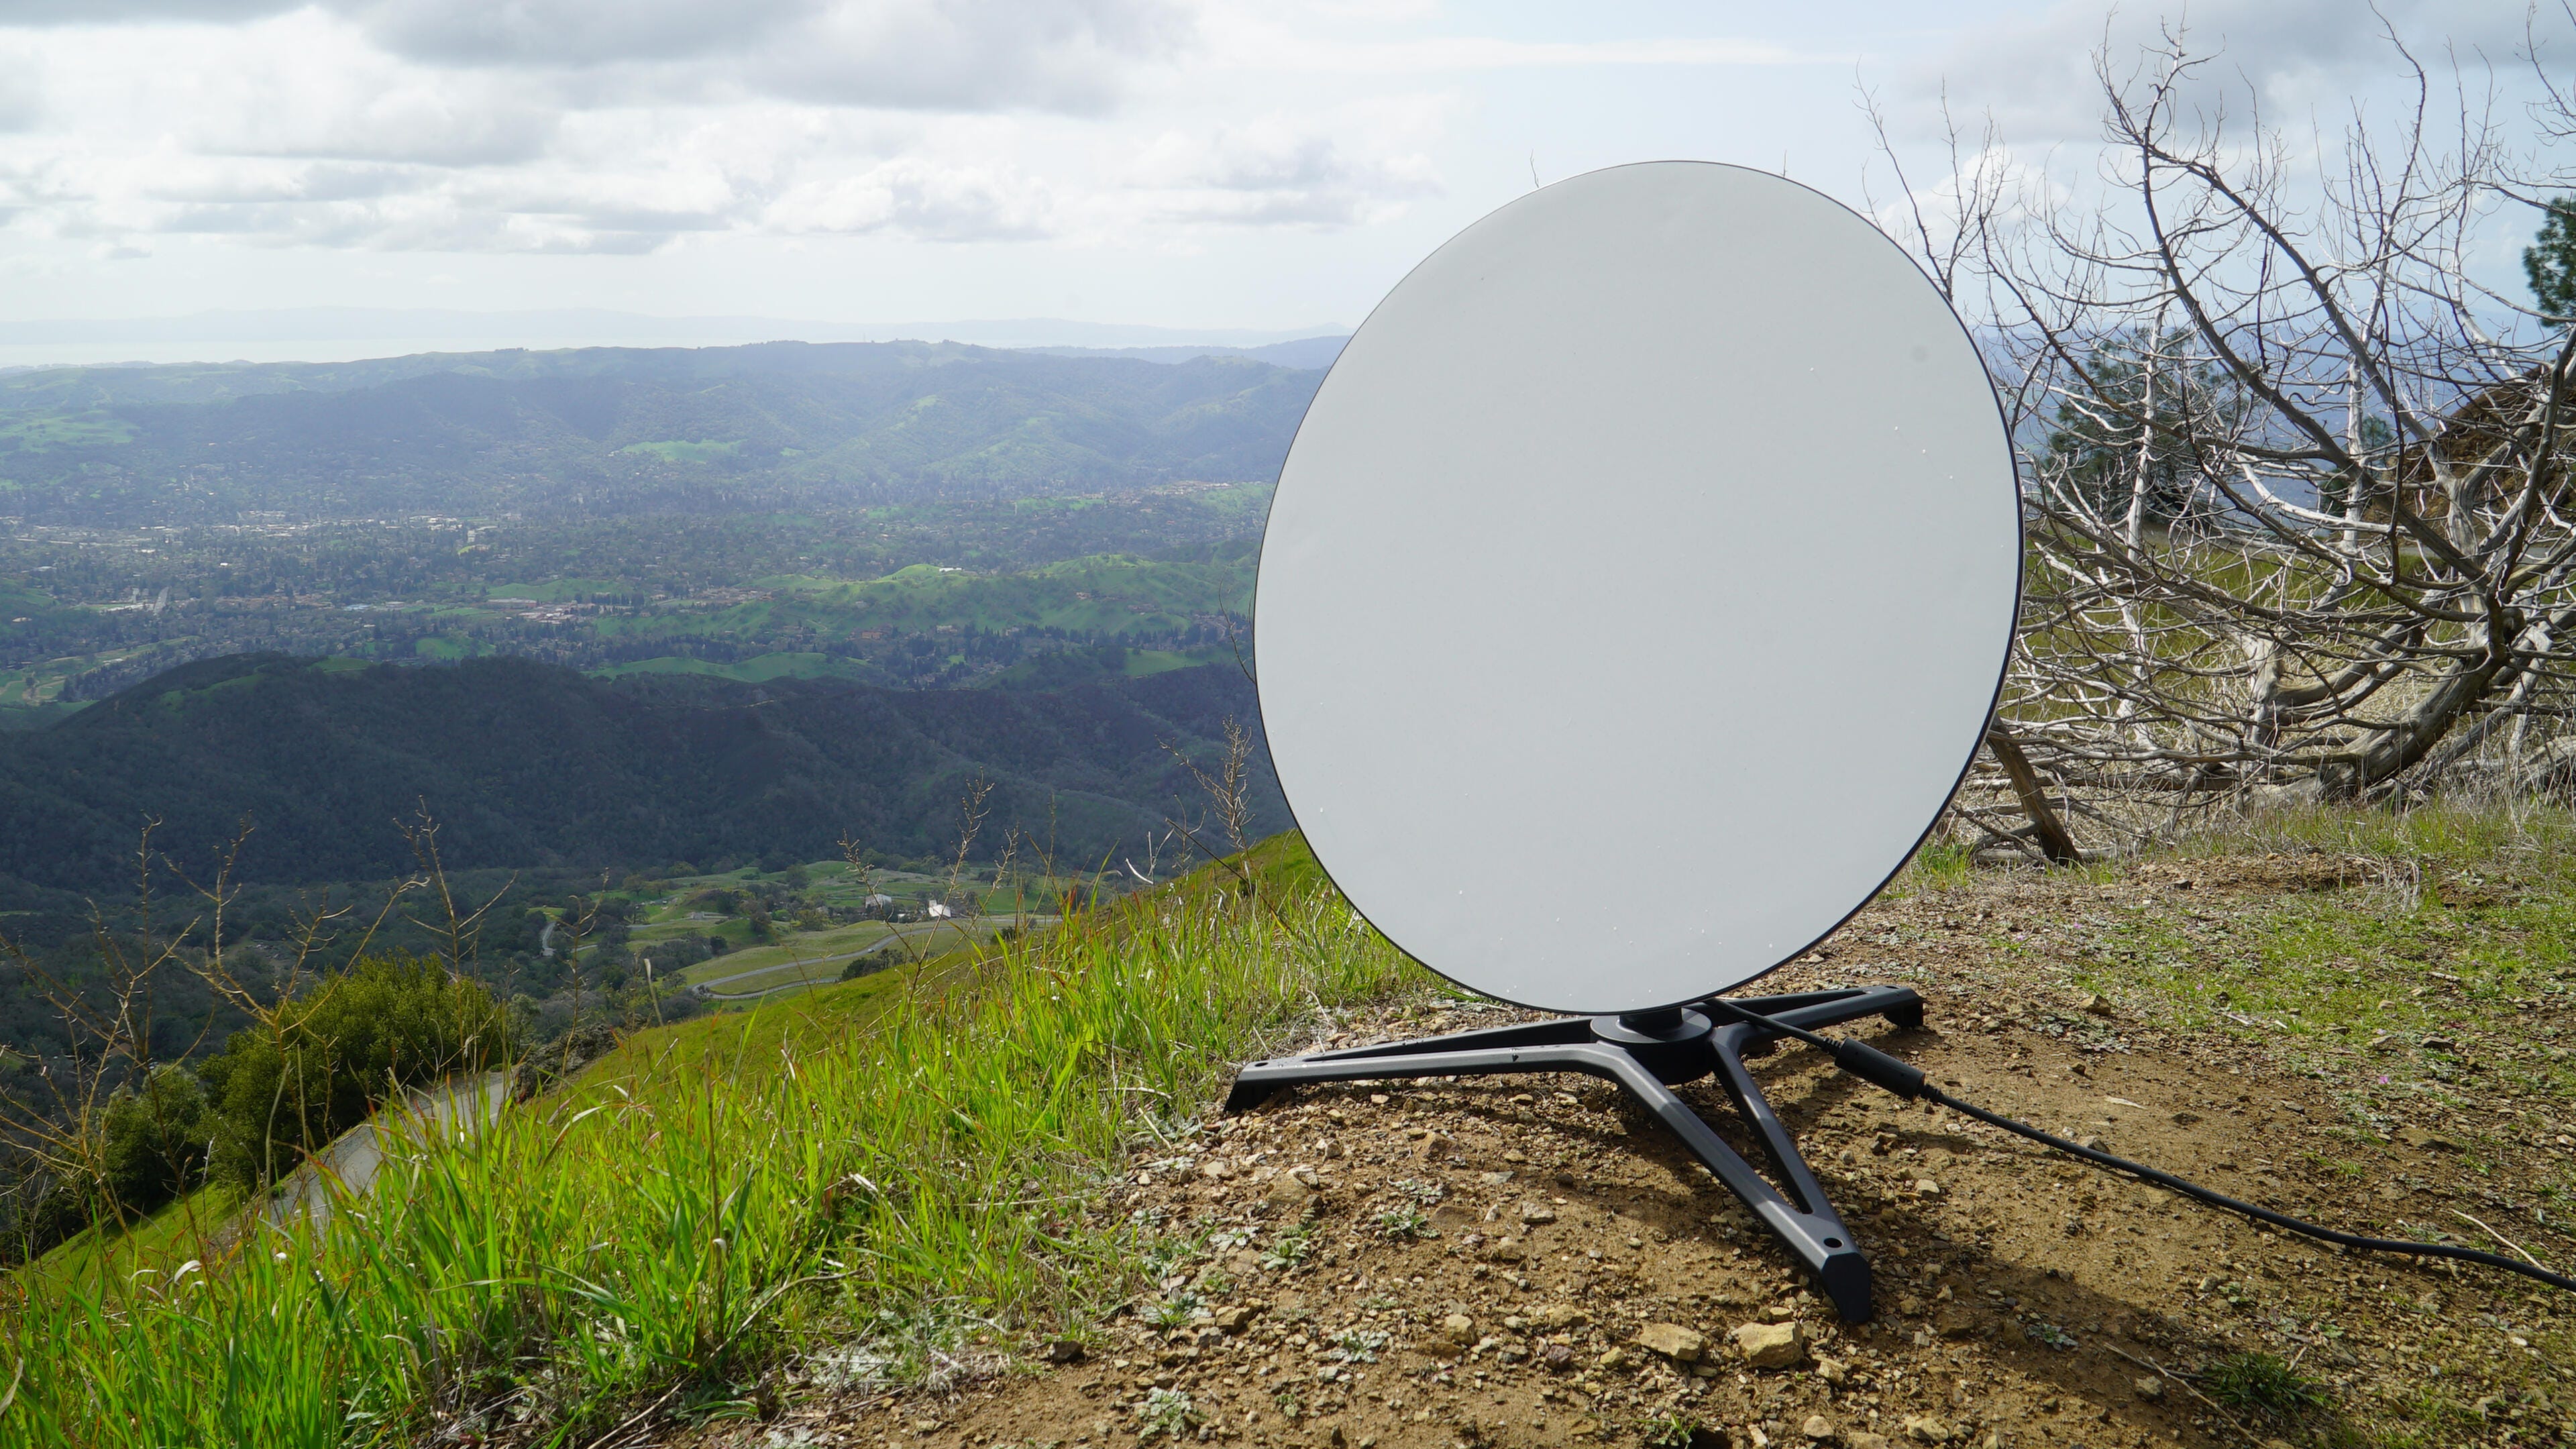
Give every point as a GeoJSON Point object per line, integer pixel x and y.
{"type": "Point", "coordinates": [1925, 1429]}
{"type": "Point", "coordinates": [1682, 1345]}
{"type": "Point", "coordinates": [1817, 1427]}
{"type": "Point", "coordinates": [1287, 1195]}
{"type": "Point", "coordinates": [2149, 1389]}
{"type": "Point", "coordinates": [1772, 1345]}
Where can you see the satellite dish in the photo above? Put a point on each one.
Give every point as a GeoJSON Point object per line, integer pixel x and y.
{"type": "Point", "coordinates": [1638, 588]}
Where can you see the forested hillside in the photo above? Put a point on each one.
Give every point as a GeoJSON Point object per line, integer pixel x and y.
{"type": "Point", "coordinates": [531, 765]}
{"type": "Point", "coordinates": [601, 431]}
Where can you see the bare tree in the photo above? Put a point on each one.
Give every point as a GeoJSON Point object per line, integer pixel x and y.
{"type": "Point", "coordinates": [2295, 482]}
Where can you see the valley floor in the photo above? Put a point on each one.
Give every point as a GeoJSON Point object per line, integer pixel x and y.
{"type": "Point", "coordinates": [1498, 1262]}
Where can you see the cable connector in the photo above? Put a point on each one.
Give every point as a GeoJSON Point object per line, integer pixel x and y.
{"type": "Point", "coordinates": [1872, 1065]}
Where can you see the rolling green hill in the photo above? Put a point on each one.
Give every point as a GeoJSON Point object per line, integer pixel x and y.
{"type": "Point", "coordinates": [534, 765]}
{"type": "Point", "coordinates": [1109, 597]}
{"type": "Point", "coordinates": [598, 431]}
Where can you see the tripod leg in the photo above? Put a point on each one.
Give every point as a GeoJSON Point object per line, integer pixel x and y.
{"type": "Point", "coordinates": [1810, 1230]}
{"type": "Point", "coordinates": [1258, 1081]}
{"type": "Point", "coordinates": [1902, 1007]}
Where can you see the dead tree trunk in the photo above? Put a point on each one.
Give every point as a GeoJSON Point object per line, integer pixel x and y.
{"type": "Point", "coordinates": [2045, 828]}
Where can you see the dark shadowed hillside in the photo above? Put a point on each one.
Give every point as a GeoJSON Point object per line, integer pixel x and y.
{"type": "Point", "coordinates": [529, 764]}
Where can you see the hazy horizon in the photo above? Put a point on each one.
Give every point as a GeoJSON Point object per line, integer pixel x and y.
{"type": "Point", "coordinates": [346, 334]}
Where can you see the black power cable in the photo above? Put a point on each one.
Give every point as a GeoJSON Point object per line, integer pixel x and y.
{"type": "Point", "coordinates": [1906, 1080]}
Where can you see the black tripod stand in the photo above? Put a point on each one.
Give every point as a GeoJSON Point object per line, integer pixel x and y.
{"type": "Point", "coordinates": [1649, 1054]}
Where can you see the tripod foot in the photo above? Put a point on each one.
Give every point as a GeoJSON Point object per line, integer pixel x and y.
{"type": "Point", "coordinates": [1648, 1055]}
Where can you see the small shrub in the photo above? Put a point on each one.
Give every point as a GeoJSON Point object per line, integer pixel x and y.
{"type": "Point", "coordinates": [2041, 1331]}
{"type": "Point", "coordinates": [1360, 1345]}
{"type": "Point", "coordinates": [1167, 1412]}
{"type": "Point", "coordinates": [153, 1142]}
{"type": "Point", "coordinates": [1673, 1430]}
{"type": "Point", "coordinates": [288, 1085]}
{"type": "Point", "coordinates": [1290, 1247]}
{"type": "Point", "coordinates": [1173, 1312]}
{"type": "Point", "coordinates": [1406, 1223]}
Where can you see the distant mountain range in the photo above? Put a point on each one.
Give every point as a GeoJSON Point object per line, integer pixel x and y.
{"type": "Point", "coordinates": [325, 333]}
{"type": "Point", "coordinates": [1304, 352]}
{"type": "Point", "coordinates": [620, 430]}
{"type": "Point", "coordinates": [526, 764]}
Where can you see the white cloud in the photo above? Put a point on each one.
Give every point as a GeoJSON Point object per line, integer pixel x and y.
{"type": "Point", "coordinates": [1000, 55]}
{"type": "Point", "coordinates": [568, 32]}
{"type": "Point", "coordinates": [1149, 128]}
{"type": "Point", "coordinates": [2300, 57]}
{"type": "Point", "coordinates": [1280, 170]}
{"type": "Point", "coordinates": [121, 12]}
{"type": "Point", "coordinates": [923, 199]}
{"type": "Point", "coordinates": [22, 88]}
{"type": "Point", "coordinates": [1058, 55]}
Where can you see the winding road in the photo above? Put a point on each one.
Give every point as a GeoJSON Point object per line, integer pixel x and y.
{"type": "Point", "coordinates": [349, 1165]}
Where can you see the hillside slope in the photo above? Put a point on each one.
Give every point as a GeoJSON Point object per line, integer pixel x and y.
{"type": "Point", "coordinates": [607, 430]}
{"type": "Point", "coordinates": [529, 764]}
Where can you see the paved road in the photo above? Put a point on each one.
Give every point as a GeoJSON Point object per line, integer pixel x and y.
{"type": "Point", "coordinates": [350, 1163]}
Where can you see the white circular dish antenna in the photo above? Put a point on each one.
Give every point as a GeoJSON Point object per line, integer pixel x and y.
{"type": "Point", "coordinates": [1637, 588]}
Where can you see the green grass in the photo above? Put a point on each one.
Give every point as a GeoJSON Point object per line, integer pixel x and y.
{"type": "Point", "coordinates": [821, 953]}
{"type": "Point", "coordinates": [92, 429]}
{"type": "Point", "coordinates": [156, 1244]}
{"type": "Point", "coordinates": [910, 1150]}
{"type": "Point", "coordinates": [2260, 1383]}
{"type": "Point", "coordinates": [448, 646]}
{"type": "Point", "coordinates": [2453, 924]}
{"type": "Point", "coordinates": [793, 974]}
{"type": "Point", "coordinates": [1111, 594]}
{"type": "Point", "coordinates": [556, 591]}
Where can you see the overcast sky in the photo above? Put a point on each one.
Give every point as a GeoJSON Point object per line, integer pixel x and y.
{"type": "Point", "coordinates": [1215, 164]}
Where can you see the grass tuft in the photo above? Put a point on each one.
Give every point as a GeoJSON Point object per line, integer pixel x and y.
{"type": "Point", "coordinates": [2260, 1383]}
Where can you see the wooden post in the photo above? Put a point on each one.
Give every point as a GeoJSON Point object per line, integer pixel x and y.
{"type": "Point", "coordinates": [2045, 827]}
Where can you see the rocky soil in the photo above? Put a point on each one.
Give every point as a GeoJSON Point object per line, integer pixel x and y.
{"type": "Point", "coordinates": [1514, 1261]}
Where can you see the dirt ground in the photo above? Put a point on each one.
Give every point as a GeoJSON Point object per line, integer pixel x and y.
{"type": "Point", "coordinates": [1519, 1261]}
